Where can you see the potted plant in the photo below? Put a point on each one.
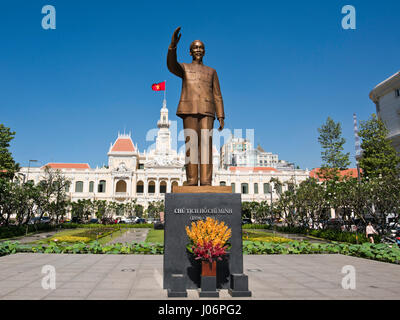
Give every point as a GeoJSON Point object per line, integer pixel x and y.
{"type": "Point", "coordinates": [208, 243]}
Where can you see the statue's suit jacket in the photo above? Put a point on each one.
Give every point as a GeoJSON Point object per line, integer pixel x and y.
{"type": "Point", "coordinates": [201, 93]}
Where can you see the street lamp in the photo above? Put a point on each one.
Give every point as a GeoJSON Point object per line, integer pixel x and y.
{"type": "Point", "coordinates": [29, 166]}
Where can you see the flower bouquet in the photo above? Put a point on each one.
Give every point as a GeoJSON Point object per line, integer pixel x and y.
{"type": "Point", "coordinates": [208, 242]}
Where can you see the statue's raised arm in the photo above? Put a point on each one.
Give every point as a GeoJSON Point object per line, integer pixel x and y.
{"type": "Point", "coordinates": [172, 60]}
{"type": "Point", "coordinates": [175, 38]}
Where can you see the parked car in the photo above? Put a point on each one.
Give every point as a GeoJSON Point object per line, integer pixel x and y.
{"type": "Point", "coordinates": [395, 232]}
{"type": "Point", "coordinates": [246, 221]}
{"type": "Point", "coordinates": [158, 225]}
{"type": "Point", "coordinates": [45, 220]}
{"type": "Point", "coordinates": [268, 221]}
{"type": "Point", "coordinates": [140, 220]}
{"type": "Point", "coordinates": [76, 220]}
{"type": "Point", "coordinates": [335, 224]}
{"type": "Point", "coordinates": [94, 220]}
{"type": "Point", "coordinates": [39, 220]}
{"type": "Point", "coordinates": [108, 221]}
{"type": "Point", "coordinates": [129, 220]}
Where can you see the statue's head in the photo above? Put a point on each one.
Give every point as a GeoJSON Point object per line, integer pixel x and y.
{"type": "Point", "coordinates": [197, 50]}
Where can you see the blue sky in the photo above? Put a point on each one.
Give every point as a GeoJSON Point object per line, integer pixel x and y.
{"type": "Point", "coordinates": [284, 67]}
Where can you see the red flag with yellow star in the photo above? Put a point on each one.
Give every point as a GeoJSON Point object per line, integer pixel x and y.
{"type": "Point", "coordinates": [158, 86]}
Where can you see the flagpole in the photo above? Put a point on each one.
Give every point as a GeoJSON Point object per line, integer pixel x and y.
{"type": "Point", "coordinates": [165, 91]}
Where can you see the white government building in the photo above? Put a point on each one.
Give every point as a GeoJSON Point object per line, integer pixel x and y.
{"type": "Point", "coordinates": [386, 96]}
{"type": "Point", "coordinates": [146, 177]}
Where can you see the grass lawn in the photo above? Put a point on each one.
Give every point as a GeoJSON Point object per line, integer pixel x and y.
{"type": "Point", "coordinates": [155, 236]}
{"type": "Point", "coordinates": [252, 235]}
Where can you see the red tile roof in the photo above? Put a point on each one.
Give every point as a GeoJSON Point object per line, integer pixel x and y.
{"type": "Point", "coordinates": [78, 166]}
{"type": "Point", "coordinates": [252, 169]}
{"type": "Point", "coordinates": [352, 172]}
{"type": "Point", "coordinates": [123, 144]}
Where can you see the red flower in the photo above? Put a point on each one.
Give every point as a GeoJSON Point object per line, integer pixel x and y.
{"type": "Point", "coordinates": [209, 252]}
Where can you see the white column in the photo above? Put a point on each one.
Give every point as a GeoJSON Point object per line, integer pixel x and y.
{"type": "Point", "coordinates": [157, 183]}
{"type": "Point", "coordinates": [145, 186]}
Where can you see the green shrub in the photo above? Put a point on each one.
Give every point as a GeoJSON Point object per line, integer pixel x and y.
{"type": "Point", "coordinates": [17, 231]}
{"type": "Point", "coordinates": [254, 226]}
{"type": "Point", "coordinates": [379, 252]}
{"type": "Point", "coordinates": [95, 247]}
{"type": "Point", "coordinates": [328, 234]}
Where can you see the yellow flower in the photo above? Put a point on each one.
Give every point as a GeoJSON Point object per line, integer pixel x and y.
{"type": "Point", "coordinates": [209, 230]}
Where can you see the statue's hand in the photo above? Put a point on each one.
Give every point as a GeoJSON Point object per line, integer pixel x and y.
{"type": "Point", "coordinates": [221, 124]}
{"type": "Point", "coordinates": [176, 37]}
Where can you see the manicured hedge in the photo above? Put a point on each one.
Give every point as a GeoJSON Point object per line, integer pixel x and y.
{"type": "Point", "coordinates": [254, 226]}
{"type": "Point", "coordinates": [16, 231]}
{"type": "Point", "coordinates": [95, 247]}
{"type": "Point", "coordinates": [379, 252]}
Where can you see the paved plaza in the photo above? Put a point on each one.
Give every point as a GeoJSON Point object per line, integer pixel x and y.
{"type": "Point", "coordinates": [91, 276]}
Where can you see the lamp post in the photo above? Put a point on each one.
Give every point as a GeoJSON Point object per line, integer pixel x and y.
{"type": "Point", "coordinates": [29, 166]}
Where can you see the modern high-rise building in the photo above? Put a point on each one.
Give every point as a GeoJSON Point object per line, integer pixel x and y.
{"type": "Point", "coordinates": [239, 152]}
{"type": "Point", "coordinates": [386, 96]}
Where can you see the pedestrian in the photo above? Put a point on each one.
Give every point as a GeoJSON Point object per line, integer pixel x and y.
{"type": "Point", "coordinates": [370, 231]}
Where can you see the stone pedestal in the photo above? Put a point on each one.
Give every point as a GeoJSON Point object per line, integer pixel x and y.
{"type": "Point", "coordinates": [181, 209]}
{"type": "Point", "coordinates": [178, 286]}
{"type": "Point", "coordinates": [208, 287]}
{"type": "Point", "coordinates": [239, 286]}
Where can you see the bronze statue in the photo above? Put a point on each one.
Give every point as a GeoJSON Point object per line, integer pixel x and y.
{"type": "Point", "coordinates": [200, 101]}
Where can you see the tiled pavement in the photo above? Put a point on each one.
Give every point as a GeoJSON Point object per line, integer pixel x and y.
{"type": "Point", "coordinates": [91, 276]}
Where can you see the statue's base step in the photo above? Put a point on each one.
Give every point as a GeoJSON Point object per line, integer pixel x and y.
{"type": "Point", "coordinates": [201, 189]}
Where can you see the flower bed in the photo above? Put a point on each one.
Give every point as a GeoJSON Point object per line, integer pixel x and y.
{"type": "Point", "coordinates": [263, 236]}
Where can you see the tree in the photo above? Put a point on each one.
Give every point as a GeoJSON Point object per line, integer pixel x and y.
{"type": "Point", "coordinates": [154, 209]}
{"type": "Point", "coordinates": [53, 200]}
{"type": "Point", "coordinates": [310, 202]}
{"type": "Point", "coordinates": [8, 167]}
{"type": "Point", "coordinates": [332, 142]}
{"type": "Point", "coordinates": [139, 210]}
{"type": "Point", "coordinates": [379, 156]}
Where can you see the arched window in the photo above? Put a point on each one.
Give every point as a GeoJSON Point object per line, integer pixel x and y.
{"type": "Point", "coordinates": [139, 187]}
{"type": "Point", "coordinates": [267, 188]}
{"type": "Point", "coordinates": [67, 185]}
{"type": "Point", "coordinates": [245, 188]}
{"type": "Point", "coordinates": [101, 188]}
{"type": "Point", "coordinates": [256, 188]}
{"type": "Point", "coordinates": [151, 187]}
{"type": "Point", "coordinates": [163, 187]}
{"type": "Point", "coordinates": [174, 183]}
{"type": "Point", "coordinates": [79, 186]}
{"type": "Point", "coordinates": [120, 186]}
{"type": "Point", "coordinates": [222, 183]}
{"type": "Point", "coordinates": [233, 187]}
{"type": "Point", "coordinates": [91, 186]}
